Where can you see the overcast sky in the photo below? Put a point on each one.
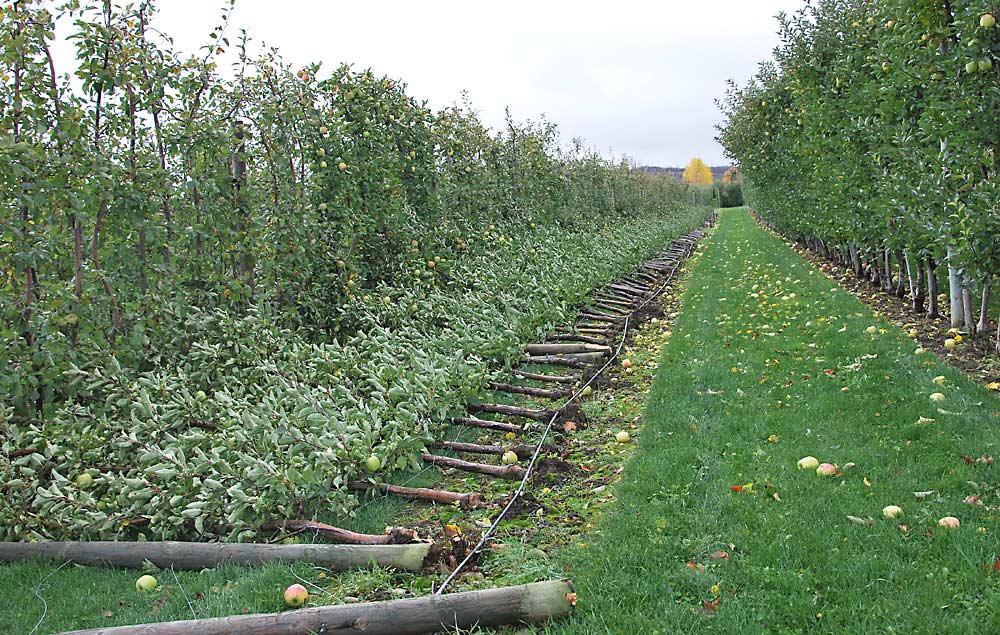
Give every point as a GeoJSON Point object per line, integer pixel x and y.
{"type": "Point", "coordinates": [630, 77]}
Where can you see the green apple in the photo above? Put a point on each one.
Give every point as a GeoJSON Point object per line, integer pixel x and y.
{"type": "Point", "coordinates": [146, 583]}
{"type": "Point", "coordinates": [623, 437]}
{"type": "Point", "coordinates": [373, 463]}
{"type": "Point", "coordinates": [988, 21]}
{"type": "Point", "coordinates": [985, 65]}
{"type": "Point", "coordinates": [84, 480]}
{"type": "Point", "coordinates": [509, 457]}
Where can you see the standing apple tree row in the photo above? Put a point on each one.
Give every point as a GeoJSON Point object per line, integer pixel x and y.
{"type": "Point", "coordinates": [872, 137]}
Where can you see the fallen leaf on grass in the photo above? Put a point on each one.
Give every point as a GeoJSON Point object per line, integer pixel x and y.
{"type": "Point", "coordinates": [867, 482]}
{"type": "Point", "coordinates": [719, 555]}
{"type": "Point", "coordinates": [736, 488]}
{"type": "Point", "coordinates": [710, 607]}
{"type": "Point", "coordinates": [569, 426]}
{"type": "Point", "coordinates": [694, 566]}
{"type": "Point", "coordinates": [867, 522]}
{"type": "Point", "coordinates": [972, 500]}
{"type": "Point", "coordinates": [922, 495]}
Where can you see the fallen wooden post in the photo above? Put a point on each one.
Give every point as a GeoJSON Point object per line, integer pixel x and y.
{"type": "Point", "coordinates": [392, 536]}
{"type": "Point", "coordinates": [522, 451]}
{"type": "Point", "coordinates": [512, 411]}
{"type": "Point", "coordinates": [560, 379]}
{"type": "Point", "coordinates": [601, 317]}
{"type": "Point", "coordinates": [543, 393]}
{"type": "Point", "coordinates": [202, 555]}
{"type": "Point", "coordinates": [470, 500]}
{"type": "Point", "coordinates": [507, 472]}
{"type": "Point", "coordinates": [524, 604]}
{"type": "Point", "coordinates": [501, 426]}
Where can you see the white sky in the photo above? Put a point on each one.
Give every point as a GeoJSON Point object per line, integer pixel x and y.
{"type": "Point", "coordinates": [629, 77]}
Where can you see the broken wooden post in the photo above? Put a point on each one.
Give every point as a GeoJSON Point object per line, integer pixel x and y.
{"type": "Point", "coordinates": [467, 501]}
{"type": "Point", "coordinates": [201, 555]}
{"type": "Point", "coordinates": [524, 604]}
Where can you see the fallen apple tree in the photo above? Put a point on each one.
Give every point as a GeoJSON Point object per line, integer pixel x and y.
{"type": "Point", "coordinates": [200, 555]}
{"type": "Point", "coordinates": [524, 604]}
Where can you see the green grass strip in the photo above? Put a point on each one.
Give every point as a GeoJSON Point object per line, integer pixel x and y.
{"type": "Point", "coordinates": [716, 530]}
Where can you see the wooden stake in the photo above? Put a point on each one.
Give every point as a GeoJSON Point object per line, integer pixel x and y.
{"type": "Point", "coordinates": [508, 472]}
{"type": "Point", "coordinates": [528, 603]}
{"type": "Point", "coordinates": [466, 501]}
{"type": "Point", "coordinates": [201, 555]}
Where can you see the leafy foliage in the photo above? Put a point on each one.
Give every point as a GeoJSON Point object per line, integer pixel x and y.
{"type": "Point", "coordinates": [221, 295]}
{"type": "Point", "coordinates": [874, 128]}
{"type": "Point", "coordinates": [697, 173]}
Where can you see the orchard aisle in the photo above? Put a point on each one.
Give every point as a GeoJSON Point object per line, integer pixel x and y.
{"type": "Point", "coordinates": [716, 529]}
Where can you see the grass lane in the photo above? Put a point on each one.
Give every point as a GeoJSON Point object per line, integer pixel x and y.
{"type": "Point", "coordinates": [716, 530]}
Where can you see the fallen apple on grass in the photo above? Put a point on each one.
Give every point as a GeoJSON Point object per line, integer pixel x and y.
{"type": "Point", "coordinates": [937, 396]}
{"type": "Point", "coordinates": [623, 437]}
{"type": "Point", "coordinates": [826, 469]}
{"type": "Point", "coordinates": [509, 457]}
{"type": "Point", "coordinates": [949, 522]}
{"type": "Point", "coordinates": [146, 583]}
{"type": "Point", "coordinates": [808, 463]}
{"type": "Point", "coordinates": [296, 595]}
{"type": "Point", "coordinates": [892, 511]}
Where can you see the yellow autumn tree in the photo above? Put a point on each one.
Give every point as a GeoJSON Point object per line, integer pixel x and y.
{"type": "Point", "coordinates": [698, 173]}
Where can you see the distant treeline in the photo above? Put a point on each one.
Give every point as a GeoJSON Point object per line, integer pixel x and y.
{"type": "Point", "coordinates": [717, 171]}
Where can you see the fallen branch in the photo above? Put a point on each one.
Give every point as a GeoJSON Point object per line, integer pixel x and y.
{"type": "Point", "coordinates": [558, 349]}
{"type": "Point", "coordinates": [392, 536]}
{"type": "Point", "coordinates": [470, 500]}
{"type": "Point", "coordinates": [554, 360]}
{"type": "Point", "coordinates": [501, 426]}
{"type": "Point", "coordinates": [543, 393]}
{"type": "Point", "coordinates": [522, 451]}
{"type": "Point", "coordinates": [528, 603]}
{"type": "Point", "coordinates": [560, 379]}
{"type": "Point", "coordinates": [562, 337]}
{"type": "Point", "coordinates": [201, 555]}
{"type": "Point", "coordinates": [512, 411]}
{"type": "Point", "coordinates": [507, 472]}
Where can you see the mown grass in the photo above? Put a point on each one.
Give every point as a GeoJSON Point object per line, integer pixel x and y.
{"type": "Point", "coordinates": [716, 530]}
